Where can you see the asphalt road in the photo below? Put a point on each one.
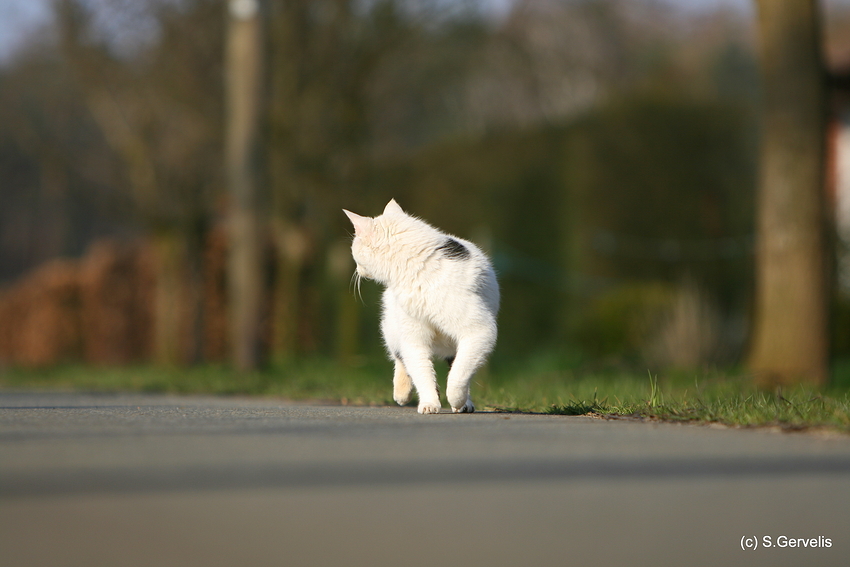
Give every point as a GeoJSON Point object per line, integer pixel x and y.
{"type": "Point", "coordinates": [118, 480]}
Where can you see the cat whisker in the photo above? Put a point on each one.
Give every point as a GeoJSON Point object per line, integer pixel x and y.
{"type": "Point", "coordinates": [360, 293]}
{"type": "Point", "coordinates": [355, 284]}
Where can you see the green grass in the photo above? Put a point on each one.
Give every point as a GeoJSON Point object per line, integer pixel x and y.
{"type": "Point", "coordinates": [545, 386]}
{"type": "Point", "coordinates": [309, 379]}
{"type": "Point", "coordinates": [726, 402]}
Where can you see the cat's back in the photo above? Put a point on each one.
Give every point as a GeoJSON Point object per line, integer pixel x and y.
{"type": "Point", "coordinates": [439, 269]}
{"type": "Point", "coordinates": [463, 272]}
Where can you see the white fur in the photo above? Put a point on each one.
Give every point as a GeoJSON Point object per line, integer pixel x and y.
{"type": "Point", "coordinates": [435, 305]}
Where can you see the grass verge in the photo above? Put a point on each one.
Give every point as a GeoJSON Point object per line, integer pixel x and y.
{"type": "Point", "coordinates": [707, 397]}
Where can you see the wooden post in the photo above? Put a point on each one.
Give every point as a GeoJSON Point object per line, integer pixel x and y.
{"type": "Point", "coordinates": [244, 70]}
{"type": "Point", "coordinates": [791, 339]}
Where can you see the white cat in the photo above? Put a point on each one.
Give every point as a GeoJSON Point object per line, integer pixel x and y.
{"type": "Point", "coordinates": [441, 300]}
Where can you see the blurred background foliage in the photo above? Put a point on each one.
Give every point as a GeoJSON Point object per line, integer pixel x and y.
{"type": "Point", "coordinates": [602, 151]}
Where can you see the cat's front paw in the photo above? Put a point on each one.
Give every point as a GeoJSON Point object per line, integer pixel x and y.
{"type": "Point", "coordinates": [459, 399]}
{"type": "Point", "coordinates": [468, 407]}
{"type": "Point", "coordinates": [429, 407]}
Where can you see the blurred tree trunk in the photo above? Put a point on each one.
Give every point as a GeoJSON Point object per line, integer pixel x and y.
{"type": "Point", "coordinates": [170, 259]}
{"type": "Point", "coordinates": [243, 96]}
{"type": "Point", "coordinates": [291, 249]}
{"type": "Point", "coordinates": [195, 242]}
{"type": "Point", "coordinates": [790, 343]}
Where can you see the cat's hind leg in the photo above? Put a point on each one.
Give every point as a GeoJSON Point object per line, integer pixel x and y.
{"type": "Point", "coordinates": [402, 384]}
{"type": "Point", "coordinates": [471, 354]}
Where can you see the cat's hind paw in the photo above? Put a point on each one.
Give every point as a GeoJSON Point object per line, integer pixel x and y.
{"type": "Point", "coordinates": [402, 394]}
{"type": "Point", "coordinates": [402, 385]}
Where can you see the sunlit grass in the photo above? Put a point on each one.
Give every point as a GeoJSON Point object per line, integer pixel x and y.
{"type": "Point", "coordinates": [728, 400]}
{"type": "Point", "coordinates": [724, 397]}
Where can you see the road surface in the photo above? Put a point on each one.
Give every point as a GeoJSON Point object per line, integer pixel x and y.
{"type": "Point", "coordinates": [127, 480]}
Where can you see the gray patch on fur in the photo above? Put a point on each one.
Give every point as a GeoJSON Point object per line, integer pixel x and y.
{"type": "Point", "coordinates": [453, 250]}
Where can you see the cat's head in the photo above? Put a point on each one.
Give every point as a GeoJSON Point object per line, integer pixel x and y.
{"type": "Point", "coordinates": [372, 239]}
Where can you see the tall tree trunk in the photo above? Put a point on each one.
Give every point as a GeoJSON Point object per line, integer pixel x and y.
{"type": "Point", "coordinates": [195, 241]}
{"type": "Point", "coordinates": [790, 343]}
{"type": "Point", "coordinates": [291, 248]}
{"type": "Point", "coordinates": [243, 91]}
{"type": "Point", "coordinates": [170, 257]}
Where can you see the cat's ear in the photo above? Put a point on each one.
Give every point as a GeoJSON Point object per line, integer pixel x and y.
{"type": "Point", "coordinates": [393, 208]}
{"type": "Point", "coordinates": [362, 225]}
